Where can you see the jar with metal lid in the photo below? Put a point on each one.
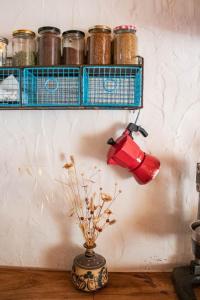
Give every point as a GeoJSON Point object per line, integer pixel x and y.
{"type": "Point", "coordinates": [73, 47]}
{"type": "Point", "coordinates": [3, 51]}
{"type": "Point", "coordinates": [125, 44]}
{"type": "Point", "coordinates": [23, 48]}
{"type": "Point", "coordinates": [99, 45]}
{"type": "Point", "coordinates": [49, 46]}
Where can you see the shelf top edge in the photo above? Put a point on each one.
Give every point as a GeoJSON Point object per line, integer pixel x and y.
{"type": "Point", "coordinates": [70, 66]}
{"type": "Point", "coordinates": [139, 64]}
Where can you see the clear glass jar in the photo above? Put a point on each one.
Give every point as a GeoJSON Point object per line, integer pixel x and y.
{"type": "Point", "coordinates": [73, 47]}
{"type": "Point", "coordinates": [23, 48]}
{"type": "Point", "coordinates": [3, 51]}
{"type": "Point", "coordinates": [125, 45]}
{"type": "Point", "coordinates": [49, 46]}
{"type": "Point", "coordinates": [99, 45]}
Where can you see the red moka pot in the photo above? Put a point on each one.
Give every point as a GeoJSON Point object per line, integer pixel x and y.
{"type": "Point", "coordinates": [127, 154]}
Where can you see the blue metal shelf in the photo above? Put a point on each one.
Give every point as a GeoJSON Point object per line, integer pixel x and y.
{"type": "Point", "coordinates": [72, 87]}
{"type": "Point", "coordinates": [54, 86]}
{"type": "Point", "coordinates": [10, 87]}
{"type": "Point", "coordinates": [112, 86]}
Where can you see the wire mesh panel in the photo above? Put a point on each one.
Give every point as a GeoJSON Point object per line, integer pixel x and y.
{"type": "Point", "coordinates": [112, 86]}
{"type": "Point", "coordinates": [51, 86]}
{"type": "Point", "coordinates": [10, 85]}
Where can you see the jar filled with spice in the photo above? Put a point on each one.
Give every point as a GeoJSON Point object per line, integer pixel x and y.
{"type": "Point", "coordinates": [49, 46]}
{"type": "Point", "coordinates": [23, 48]}
{"type": "Point", "coordinates": [3, 51]}
{"type": "Point", "coordinates": [73, 47]}
{"type": "Point", "coordinates": [99, 45]}
{"type": "Point", "coordinates": [125, 44]}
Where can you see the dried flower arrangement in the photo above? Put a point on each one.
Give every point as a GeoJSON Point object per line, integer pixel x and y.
{"type": "Point", "coordinates": [92, 209]}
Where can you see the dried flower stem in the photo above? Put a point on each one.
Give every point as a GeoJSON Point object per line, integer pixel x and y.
{"type": "Point", "coordinates": [91, 209]}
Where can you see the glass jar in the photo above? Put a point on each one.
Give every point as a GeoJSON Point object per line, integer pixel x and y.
{"type": "Point", "coordinates": [125, 45]}
{"type": "Point", "coordinates": [99, 47]}
{"type": "Point", "coordinates": [49, 46]}
{"type": "Point", "coordinates": [23, 48]}
{"type": "Point", "coordinates": [3, 51]}
{"type": "Point", "coordinates": [73, 47]}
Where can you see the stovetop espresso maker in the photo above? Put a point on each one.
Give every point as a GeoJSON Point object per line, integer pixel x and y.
{"type": "Point", "coordinates": [187, 277]}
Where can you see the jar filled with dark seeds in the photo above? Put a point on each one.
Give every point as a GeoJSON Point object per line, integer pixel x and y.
{"type": "Point", "coordinates": [99, 47]}
{"type": "Point", "coordinates": [125, 45]}
{"type": "Point", "coordinates": [23, 48]}
{"type": "Point", "coordinates": [73, 47]}
{"type": "Point", "coordinates": [49, 46]}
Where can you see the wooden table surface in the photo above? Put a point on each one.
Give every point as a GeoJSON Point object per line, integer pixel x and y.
{"type": "Point", "coordinates": [36, 284]}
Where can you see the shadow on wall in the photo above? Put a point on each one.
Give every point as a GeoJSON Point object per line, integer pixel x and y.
{"type": "Point", "coordinates": [172, 15]}
{"type": "Point", "coordinates": [161, 212]}
{"type": "Point", "coordinates": [61, 256]}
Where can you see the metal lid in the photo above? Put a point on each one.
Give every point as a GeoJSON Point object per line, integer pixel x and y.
{"type": "Point", "coordinates": [78, 32]}
{"type": "Point", "coordinates": [125, 28]}
{"type": "Point", "coordinates": [49, 29]}
{"type": "Point", "coordinates": [24, 32]}
{"type": "Point", "coordinates": [103, 28]}
{"type": "Point", "coordinates": [3, 40]}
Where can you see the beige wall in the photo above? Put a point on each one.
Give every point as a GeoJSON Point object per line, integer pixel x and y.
{"type": "Point", "coordinates": [152, 230]}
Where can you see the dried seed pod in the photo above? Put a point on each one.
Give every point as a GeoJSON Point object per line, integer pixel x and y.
{"type": "Point", "coordinates": [108, 211]}
{"type": "Point", "coordinates": [68, 165]}
{"type": "Point", "coordinates": [112, 222]}
{"type": "Point", "coordinates": [105, 197]}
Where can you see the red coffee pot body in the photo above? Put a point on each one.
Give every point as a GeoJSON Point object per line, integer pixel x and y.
{"type": "Point", "coordinates": [127, 154]}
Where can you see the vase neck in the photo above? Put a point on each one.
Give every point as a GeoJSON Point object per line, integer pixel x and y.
{"type": "Point", "coordinates": [89, 250]}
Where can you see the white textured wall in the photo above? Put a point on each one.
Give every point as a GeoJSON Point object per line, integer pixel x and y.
{"type": "Point", "coordinates": [152, 231]}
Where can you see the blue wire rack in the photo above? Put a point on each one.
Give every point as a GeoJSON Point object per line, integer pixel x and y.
{"type": "Point", "coordinates": [84, 87]}
{"type": "Point", "coordinates": [112, 86]}
{"type": "Point", "coordinates": [51, 86]}
{"type": "Point", "coordinates": [10, 87]}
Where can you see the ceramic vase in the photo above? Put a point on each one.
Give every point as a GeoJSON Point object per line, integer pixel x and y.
{"type": "Point", "coordinates": [89, 271]}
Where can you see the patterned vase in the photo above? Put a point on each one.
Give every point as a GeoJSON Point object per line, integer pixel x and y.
{"type": "Point", "coordinates": [89, 271]}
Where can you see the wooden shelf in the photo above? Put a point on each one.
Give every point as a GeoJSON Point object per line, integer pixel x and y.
{"type": "Point", "coordinates": [38, 284]}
